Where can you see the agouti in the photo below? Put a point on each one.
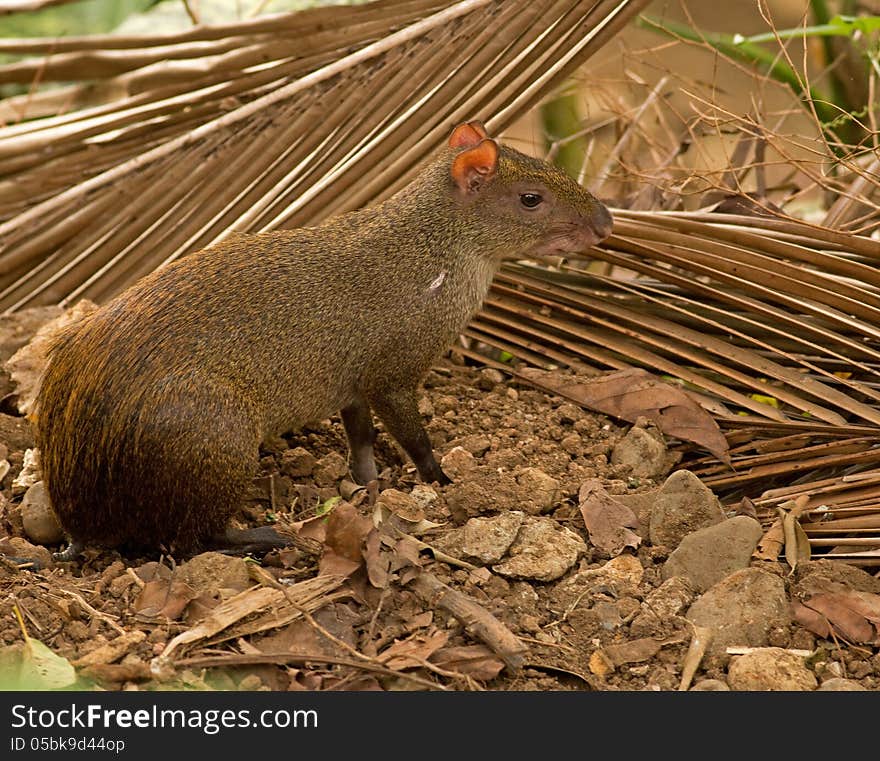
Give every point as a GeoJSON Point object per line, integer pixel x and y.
{"type": "Point", "coordinates": [152, 409]}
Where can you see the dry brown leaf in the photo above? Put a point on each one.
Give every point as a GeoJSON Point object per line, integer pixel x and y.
{"type": "Point", "coordinates": [855, 616]}
{"type": "Point", "coordinates": [608, 522]}
{"type": "Point", "coordinates": [377, 562]}
{"type": "Point", "coordinates": [347, 532]}
{"type": "Point", "coordinates": [476, 661]}
{"type": "Point", "coordinates": [164, 598]}
{"type": "Point", "coordinates": [412, 652]}
{"type": "Point", "coordinates": [633, 393]}
{"type": "Point", "coordinates": [634, 651]}
{"type": "Point", "coordinates": [771, 543]}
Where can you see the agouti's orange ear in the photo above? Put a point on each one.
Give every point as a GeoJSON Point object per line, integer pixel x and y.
{"type": "Point", "coordinates": [474, 167]}
{"type": "Point", "coordinates": [467, 135]}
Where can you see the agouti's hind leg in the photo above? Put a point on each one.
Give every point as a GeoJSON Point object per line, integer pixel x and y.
{"type": "Point", "coordinates": [399, 410]}
{"type": "Point", "coordinates": [361, 434]}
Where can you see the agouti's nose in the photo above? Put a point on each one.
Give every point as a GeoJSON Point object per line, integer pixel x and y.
{"type": "Point", "coordinates": [603, 222]}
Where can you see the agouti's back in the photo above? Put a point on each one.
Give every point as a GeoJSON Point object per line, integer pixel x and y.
{"type": "Point", "coordinates": [152, 409]}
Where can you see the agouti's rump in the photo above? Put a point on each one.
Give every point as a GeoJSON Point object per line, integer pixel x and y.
{"type": "Point", "coordinates": [152, 409]}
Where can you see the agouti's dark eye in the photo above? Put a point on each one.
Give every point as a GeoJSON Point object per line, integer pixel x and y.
{"type": "Point", "coordinates": [530, 200]}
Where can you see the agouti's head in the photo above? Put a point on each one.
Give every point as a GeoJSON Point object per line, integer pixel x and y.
{"type": "Point", "coordinates": [536, 208]}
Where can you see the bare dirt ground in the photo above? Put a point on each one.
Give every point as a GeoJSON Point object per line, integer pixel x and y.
{"type": "Point", "coordinates": [493, 582]}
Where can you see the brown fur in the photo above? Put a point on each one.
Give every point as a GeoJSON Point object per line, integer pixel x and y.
{"type": "Point", "coordinates": [152, 409]}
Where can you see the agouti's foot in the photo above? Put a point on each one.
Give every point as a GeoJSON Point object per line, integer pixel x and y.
{"type": "Point", "coordinates": [73, 551]}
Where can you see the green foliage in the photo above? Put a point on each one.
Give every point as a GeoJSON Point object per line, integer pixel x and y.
{"type": "Point", "coordinates": [85, 17]}
{"type": "Point", "coordinates": [850, 48]}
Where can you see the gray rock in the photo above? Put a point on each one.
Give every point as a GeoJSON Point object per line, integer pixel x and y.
{"type": "Point", "coordinates": [837, 684]}
{"type": "Point", "coordinates": [643, 452]}
{"type": "Point", "coordinates": [38, 519]}
{"type": "Point", "coordinates": [620, 575]}
{"type": "Point", "coordinates": [482, 540]}
{"type": "Point", "coordinates": [710, 685]}
{"type": "Point", "coordinates": [543, 550]}
{"type": "Point", "coordinates": [741, 609]}
{"type": "Point", "coordinates": [682, 505]}
{"type": "Point", "coordinates": [709, 554]}
{"type": "Point", "coordinates": [770, 668]}
{"type": "Point", "coordinates": [826, 576]}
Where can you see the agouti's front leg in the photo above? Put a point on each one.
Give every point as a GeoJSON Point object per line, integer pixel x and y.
{"type": "Point", "coordinates": [361, 436]}
{"type": "Point", "coordinates": [399, 410]}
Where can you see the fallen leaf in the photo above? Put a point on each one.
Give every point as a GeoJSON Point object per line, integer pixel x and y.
{"type": "Point", "coordinates": [634, 651]}
{"type": "Point", "coordinates": [771, 543]}
{"type": "Point", "coordinates": [608, 522]}
{"type": "Point", "coordinates": [164, 598]}
{"type": "Point", "coordinates": [633, 393]}
{"type": "Point", "coordinates": [476, 661]}
{"type": "Point", "coordinates": [600, 664]}
{"type": "Point", "coordinates": [412, 652]}
{"type": "Point", "coordinates": [50, 671]}
{"type": "Point", "coordinates": [346, 535]}
{"type": "Point", "coordinates": [855, 616]}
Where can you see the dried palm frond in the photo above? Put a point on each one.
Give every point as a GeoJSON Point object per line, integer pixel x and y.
{"type": "Point", "coordinates": [278, 121]}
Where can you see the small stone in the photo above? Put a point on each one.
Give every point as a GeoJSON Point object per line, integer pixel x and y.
{"type": "Point", "coordinates": [330, 468]}
{"type": "Point", "coordinates": [457, 463]}
{"type": "Point", "coordinates": [29, 473]}
{"type": "Point", "coordinates": [38, 518]}
{"type": "Point", "coordinates": [401, 504]}
{"type": "Point", "coordinates": [709, 554]}
{"type": "Point", "coordinates": [482, 540]}
{"type": "Point", "coordinates": [572, 444]}
{"type": "Point", "coordinates": [211, 572]}
{"type": "Point", "coordinates": [476, 444]}
{"type": "Point", "coordinates": [837, 684]}
{"type": "Point", "coordinates": [424, 495]}
{"type": "Point", "coordinates": [21, 548]}
{"type": "Point", "coordinates": [543, 550]}
{"type": "Point", "coordinates": [669, 600]}
{"type": "Point", "coordinates": [643, 451]}
{"type": "Point", "coordinates": [770, 668]}
{"type": "Point", "coordinates": [492, 375]}
{"type": "Point", "coordinates": [710, 685]}
{"type": "Point", "coordinates": [681, 506]}
{"type": "Point", "coordinates": [297, 463]}
{"type": "Point", "coordinates": [512, 394]}
{"type": "Point", "coordinates": [741, 609]}
{"type": "Point", "coordinates": [539, 492]}
{"type": "Point", "coordinates": [426, 408]}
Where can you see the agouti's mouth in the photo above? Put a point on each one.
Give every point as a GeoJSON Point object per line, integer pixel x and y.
{"type": "Point", "coordinates": [572, 240]}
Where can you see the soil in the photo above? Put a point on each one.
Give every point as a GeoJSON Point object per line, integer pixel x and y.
{"type": "Point", "coordinates": [77, 608]}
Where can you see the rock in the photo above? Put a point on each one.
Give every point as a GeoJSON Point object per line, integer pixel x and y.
{"type": "Point", "coordinates": [212, 572]}
{"type": "Point", "coordinates": [477, 444]}
{"type": "Point", "coordinates": [770, 668]}
{"type": "Point", "coordinates": [709, 554]}
{"type": "Point", "coordinates": [29, 474]}
{"type": "Point", "coordinates": [38, 519]}
{"type": "Point", "coordinates": [424, 495]}
{"type": "Point", "coordinates": [402, 504]}
{"type": "Point", "coordinates": [330, 468]}
{"type": "Point", "coordinates": [710, 685]}
{"type": "Point", "coordinates": [482, 540]}
{"type": "Point", "coordinates": [619, 575]}
{"type": "Point", "coordinates": [538, 492]}
{"type": "Point", "coordinates": [741, 609]}
{"type": "Point", "coordinates": [573, 444]}
{"type": "Point", "coordinates": [297, 462]}
{"type": "Point", "coordinates": [457, 462]}
{"type": "Point", "coordinates": [828, 576]}
{"type": "Point", "coordinates": [16, 433]}
{"type": "Point", "coordinates": [837, 684]}
{"type": "Point", "coordinates": [662, 605]}
{"type": "Point", "coordinates": [643, 451]}
{"type": "Point", "coordinates": [543, 550]}
{"type": "Point", "coordinates": [681, 506]}
{"type": "Point", "coordinates": [18, 547]}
